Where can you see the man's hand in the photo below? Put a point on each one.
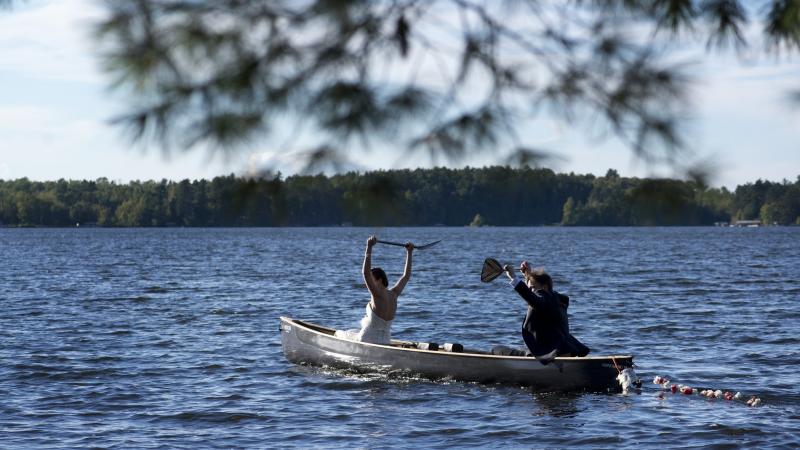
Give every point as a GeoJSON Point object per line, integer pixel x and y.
{"type": "Point", "coordinates": [524, 267]}
{"type": "Point", "coordinates": [509, 269]}
{"type": "Point", "coordinates": [371, 241]}
{"type": "Point", "coordinates": [409, 247]}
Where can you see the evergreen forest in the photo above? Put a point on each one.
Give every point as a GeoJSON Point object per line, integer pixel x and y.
{"type": "Point", "coordinates": [496, 196]}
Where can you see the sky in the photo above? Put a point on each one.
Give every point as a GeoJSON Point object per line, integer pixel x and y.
{"type": "Point", "coordinates": [55, 111]}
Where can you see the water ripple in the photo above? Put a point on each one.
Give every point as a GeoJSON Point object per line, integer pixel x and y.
{"type": "Point", "coordinates": [169, 338]}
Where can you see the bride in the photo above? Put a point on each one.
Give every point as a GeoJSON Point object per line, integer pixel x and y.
{"type": "Point", "coordinates": [382, 307]}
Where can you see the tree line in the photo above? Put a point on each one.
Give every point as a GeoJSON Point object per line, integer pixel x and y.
{"type": "Point", "coordinates": [498, 195]}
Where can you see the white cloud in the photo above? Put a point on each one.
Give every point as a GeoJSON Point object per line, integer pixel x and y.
{"type": "Point", "coordinates": [50, 40]}
{"type": "Point", "coordinates": [44, 143]}
{"type": "Point", "coordinates": [45, 134]}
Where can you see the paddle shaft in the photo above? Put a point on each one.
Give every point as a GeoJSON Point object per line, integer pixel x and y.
{"type": "Point", "coordinates": [390, 243]}
{"type": "Point", "coordinates": [515, 270]}
{"type": "Point", "coordinates": [421, 247]}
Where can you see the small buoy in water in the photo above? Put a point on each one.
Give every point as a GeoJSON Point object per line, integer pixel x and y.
{"type": "Point", "coordinates": [658, 380]}
{"type": "Point", "coordinates": [686, 390]}
{"type": "Point", "coordinates": [754, 401]}
{"type": "Point", "coordinates": [710, 393]}
{"type": "Point", "coordinates": [718, 393]}
{"type": "Point", "coordinates": [727, 396]}
{"type": "Point", "coordinates": [674, 388]}
{"type": "Point", "coordinates": [737, 396]}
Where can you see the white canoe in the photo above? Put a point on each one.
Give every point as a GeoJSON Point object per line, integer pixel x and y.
{"type": "Point", "coordinates": [306, 343]}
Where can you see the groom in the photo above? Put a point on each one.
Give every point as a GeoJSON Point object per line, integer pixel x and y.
{"type": "Point", "coordinates": [545, 329]}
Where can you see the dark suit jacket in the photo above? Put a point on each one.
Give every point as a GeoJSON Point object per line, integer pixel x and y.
{"type": "Point", "coordinates": [546, 326]}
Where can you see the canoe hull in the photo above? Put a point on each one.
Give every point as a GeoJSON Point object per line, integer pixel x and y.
{"type": "Point", "coordinates": [305, 343]}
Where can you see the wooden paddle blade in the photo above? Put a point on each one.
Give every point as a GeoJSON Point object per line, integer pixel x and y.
{"type": "Point", "coordinates": [491, 270]}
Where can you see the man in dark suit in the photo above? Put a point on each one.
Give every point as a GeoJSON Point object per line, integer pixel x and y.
{"type": "Point", "coordinates": [545, 329]}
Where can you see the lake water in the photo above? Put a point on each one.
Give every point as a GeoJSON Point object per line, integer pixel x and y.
{"type": "Point", "coordinates": [144, 338]}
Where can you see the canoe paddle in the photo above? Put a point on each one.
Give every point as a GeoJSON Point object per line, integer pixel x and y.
{"type": "Point", "coordinates": [491, 270]}
{"type": "Point", "coordinates": [420, 247]}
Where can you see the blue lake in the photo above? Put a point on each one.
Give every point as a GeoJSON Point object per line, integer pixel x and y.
{"type": "Point", "coordinates": [145, 338]}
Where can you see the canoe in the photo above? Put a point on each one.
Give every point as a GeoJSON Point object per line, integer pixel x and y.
{"type": "Point", "coordinates": [308, 344]}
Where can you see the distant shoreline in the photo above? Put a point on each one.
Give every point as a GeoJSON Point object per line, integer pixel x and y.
{"type": "Point", "coordinates": [488, 196]}
{"type": "Point", "coordinates": [45, 227]}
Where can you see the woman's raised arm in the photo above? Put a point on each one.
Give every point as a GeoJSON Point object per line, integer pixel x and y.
{"type": "Point", "coordinates": [372, 285]}
{"type": "Point", "coordinates": [401, 283]}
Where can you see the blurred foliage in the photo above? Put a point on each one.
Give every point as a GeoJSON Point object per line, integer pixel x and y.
{"type": "Point", "coordinates": [456, 197]}
{"type": "Point", "coordinates": [446, 77]}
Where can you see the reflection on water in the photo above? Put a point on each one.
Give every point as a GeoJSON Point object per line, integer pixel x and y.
{"type": "Point", "coordinates": [563, 404]}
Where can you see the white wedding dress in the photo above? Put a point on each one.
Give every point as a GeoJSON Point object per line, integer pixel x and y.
{"type": "Point", "coordinates": [373, 330]}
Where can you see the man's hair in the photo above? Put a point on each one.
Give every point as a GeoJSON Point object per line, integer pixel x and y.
{"type": "Point", "coordinates": [377, 272]}
{"type": "Point", "coordinates": [541, 277]}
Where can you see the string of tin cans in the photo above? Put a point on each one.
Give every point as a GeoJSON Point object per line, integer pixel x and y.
{"type": "Point", "coordinates": [666, 386]}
